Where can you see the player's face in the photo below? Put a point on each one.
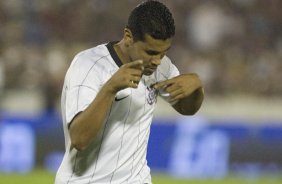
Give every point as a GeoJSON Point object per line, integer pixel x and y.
{"type": "Point", "coordinates": [151, 51]}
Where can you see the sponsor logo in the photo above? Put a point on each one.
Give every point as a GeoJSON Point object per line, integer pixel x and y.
{"type": "Point", "coordinates": [152, 95]}
{"type": "Point", "coordinates": [119, 99]}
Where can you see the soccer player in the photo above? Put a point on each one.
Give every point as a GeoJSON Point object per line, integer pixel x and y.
{"type": "Point", "coordinates": [109, 95]}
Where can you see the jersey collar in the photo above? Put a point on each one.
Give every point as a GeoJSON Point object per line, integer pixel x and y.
{"type": "Point", "coordinates": [113, 53]}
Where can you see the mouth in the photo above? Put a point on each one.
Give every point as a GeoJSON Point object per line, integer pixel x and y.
{"type": "Point", "coordinates": [151, 69]}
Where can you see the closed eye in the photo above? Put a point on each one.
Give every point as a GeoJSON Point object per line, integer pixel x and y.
{"type": "Point", "coordinates": [152, 52]}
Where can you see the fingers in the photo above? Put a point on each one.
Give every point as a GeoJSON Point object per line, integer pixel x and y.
{"type": "Point", "coordinates": [135, 72]}
{"type": "Point", "coordinates": [176, 89]}
{"type": "Point", "coordinates": [173, 87]}
{"type": "Point", "coordinates": [163, 84]}
{"type": "Point", "coordinates": [134, 68]}
{"type": "Point", "coordinates": [132, 84]}
{"type": "Point", "coordinates": [135, 79]}
{"type": "Point", "coordinates": [131, 73]}
{"type": "Point", "coordinates": [138, 64]}
{"type": "Point", "coordinates": [128, 75]}
{"type": "Point", "coordinates": [177, 95]}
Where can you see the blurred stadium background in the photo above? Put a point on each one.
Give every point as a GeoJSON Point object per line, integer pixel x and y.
{"type": "Point", "coordinates": [234, 45]}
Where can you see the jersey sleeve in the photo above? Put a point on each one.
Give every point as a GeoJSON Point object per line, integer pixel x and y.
{"type": "Point", "coordinates": [173, 71]}
{"type": "Point", "coordinates": [167, 71]}
{"type": "Point", "coordinates": [83, 84]}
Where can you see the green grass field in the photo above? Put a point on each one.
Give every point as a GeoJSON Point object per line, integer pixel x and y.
{"type": "Point", "coordinates": [44, 177]}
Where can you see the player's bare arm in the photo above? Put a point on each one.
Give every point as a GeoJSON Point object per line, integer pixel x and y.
{"type": "Point", "coordinates": [85, 126]}
{"type": "Point", "coordinates": [185, 91]}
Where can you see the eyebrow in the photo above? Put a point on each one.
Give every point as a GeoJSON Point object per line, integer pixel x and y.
{"type": "Point", "coordinates": [153, 52]}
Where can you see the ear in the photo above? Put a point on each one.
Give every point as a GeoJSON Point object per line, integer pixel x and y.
{"type": "Point", "coordinates": [128, 37]}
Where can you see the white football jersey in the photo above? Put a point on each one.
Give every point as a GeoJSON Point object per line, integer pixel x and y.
{"type": "Point", "coordinates": [117, 155]}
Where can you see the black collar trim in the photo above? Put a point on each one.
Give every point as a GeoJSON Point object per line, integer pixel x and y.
{"type": "Point", "coordinates": [113, 53]}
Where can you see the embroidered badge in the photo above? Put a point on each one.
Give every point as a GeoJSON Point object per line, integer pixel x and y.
{"type": "Point", "coordinates": [151, 96]}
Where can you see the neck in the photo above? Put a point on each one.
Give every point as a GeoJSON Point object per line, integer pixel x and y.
{"type": "Point", "coordinates": [122, 51]}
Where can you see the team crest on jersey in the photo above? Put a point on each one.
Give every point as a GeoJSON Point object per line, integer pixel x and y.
{"type": "Point", "coordinates": [152, 95]}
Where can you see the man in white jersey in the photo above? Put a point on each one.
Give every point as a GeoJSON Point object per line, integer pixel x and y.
{"type": "Point", "coordinates": [109, 96]}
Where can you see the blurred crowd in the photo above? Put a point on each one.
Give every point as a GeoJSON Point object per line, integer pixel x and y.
{"type": "Point", "coordinates": [234, 45]}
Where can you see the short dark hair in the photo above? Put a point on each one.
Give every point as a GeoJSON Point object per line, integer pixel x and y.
{"type": "Point", "coordinates": [152, 18]}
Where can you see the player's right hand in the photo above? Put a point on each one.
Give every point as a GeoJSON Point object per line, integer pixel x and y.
{"type": "Point", "coordinates": [128, 76]}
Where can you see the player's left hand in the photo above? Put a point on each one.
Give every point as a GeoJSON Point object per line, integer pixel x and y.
{"type": "Point", "coordinates": [180, 86]}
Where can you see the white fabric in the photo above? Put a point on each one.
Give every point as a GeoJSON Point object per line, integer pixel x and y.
{"type": "Point", "coordinates": [118, 153]}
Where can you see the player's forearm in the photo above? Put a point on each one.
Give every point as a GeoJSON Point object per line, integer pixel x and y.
{"type": "Point", "coordinates": [87, 124]}
{"type": "Point", "coordinates": [191, 104]}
